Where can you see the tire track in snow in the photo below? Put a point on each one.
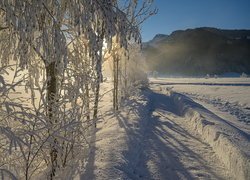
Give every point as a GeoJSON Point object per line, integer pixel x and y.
{"type": "Point", "coordinates": [241, 113]}
{"type": "Point", "coordinates": [171, 150]}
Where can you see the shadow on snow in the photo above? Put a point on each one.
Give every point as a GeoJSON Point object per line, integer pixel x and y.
{"type": "Point", "coordinates": [150, 145]}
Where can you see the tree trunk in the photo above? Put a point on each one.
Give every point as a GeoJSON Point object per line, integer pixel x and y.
{"type": "Point", "coordinates": [87, 101]}
{"type": "Point", "coordinates": [117, 82]}
{"type": "Point", "coordinates": [116, 79]}
{"type": "Point", "coordinates": [125, 80]}
{"type": "Point", "coordinates": [98, 73]}
{"type": "Point", "coordinates": [114, 83]}
{"type": "Point", "coordinates": [97, 85]}
{"type": "Point", "coordinates": [51, 107]}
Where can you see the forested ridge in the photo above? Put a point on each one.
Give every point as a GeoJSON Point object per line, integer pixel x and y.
{"type": "Point", "coordinates": [199, 51]}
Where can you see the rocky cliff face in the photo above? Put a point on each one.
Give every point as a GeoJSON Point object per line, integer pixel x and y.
{"type": "Point", "coordinates": [199, 51]}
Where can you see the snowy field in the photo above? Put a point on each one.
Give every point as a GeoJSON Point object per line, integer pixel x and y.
{"type": "Point", "coordinates": [229, 97]}
{"type": "Point", "coordinates": [204, 81]}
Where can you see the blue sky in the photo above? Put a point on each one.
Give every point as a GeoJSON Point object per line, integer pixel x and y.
{"type": "Point", "coordinates": [182, 14]}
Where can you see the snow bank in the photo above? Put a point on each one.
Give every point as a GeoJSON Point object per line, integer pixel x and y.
{"type": "Point", "coordinates": [230, 144]}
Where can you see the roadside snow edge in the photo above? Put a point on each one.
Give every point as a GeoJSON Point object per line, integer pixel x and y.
{"type": "Point", "coordinates": [230, 144]}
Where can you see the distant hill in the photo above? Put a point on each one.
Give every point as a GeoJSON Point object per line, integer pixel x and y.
{"type": "Point", "coordinates": [199, 51]}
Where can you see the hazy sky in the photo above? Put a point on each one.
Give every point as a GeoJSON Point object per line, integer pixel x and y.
{"type": "Point", "coordinates": [183, 14]}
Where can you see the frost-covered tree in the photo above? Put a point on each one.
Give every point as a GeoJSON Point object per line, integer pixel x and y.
{"type": "Point", "coordinates": [38, 35]}
{"type": "Point", "coordinates": [120, 56]}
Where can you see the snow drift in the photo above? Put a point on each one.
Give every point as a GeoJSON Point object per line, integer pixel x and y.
{"type": "Point", "coordinates": [230, 144]}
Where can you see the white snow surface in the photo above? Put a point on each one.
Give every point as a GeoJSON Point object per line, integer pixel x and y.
{"type": "Point", "coordinates": [154, 137]}
{"type": "Point", "coordinates": [157, 134]}
{"type": "Point", "coordinates": [233, 90]}
{"type": "Point", "coordinates": [230, 144]}
{"type": "Point", "coordinates": [219, 111]}
{"type": "Point", "coordinates": [228, 95]}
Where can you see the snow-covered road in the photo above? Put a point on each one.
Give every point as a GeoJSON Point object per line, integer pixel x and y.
{"type": "Point", "coordinates": [170, 148]}
{"type": "Point", "coordinates": [149, 139]}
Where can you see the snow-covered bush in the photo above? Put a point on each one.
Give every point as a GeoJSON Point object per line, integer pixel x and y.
{"type": "Point", "coordinates": [25, 134]}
